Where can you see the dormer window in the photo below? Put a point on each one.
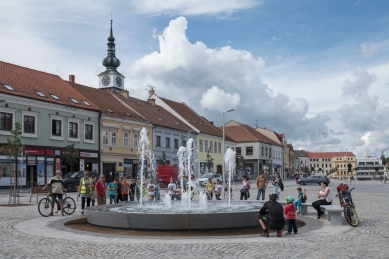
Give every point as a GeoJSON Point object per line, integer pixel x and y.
{"type": "Point", "coordinates": [54, 96]}
{"type": "Point", "coordinates": [74, 100]}
{"type": "Point", "coordinates": [159, 119]}
{"type": "Point", "coordinates": [8, 87]}
{"type": "Point", "coordinates": [40, 94]}
{"type": "Point", "coordinates": [86, 103]}
{"type": "Point", "coordinates": [128, 114]}
{"type": "Point", "coordinates": [110, 111]}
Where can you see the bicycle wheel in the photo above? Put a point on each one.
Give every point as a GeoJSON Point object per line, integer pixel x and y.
{"type": "Point", "coordinates": [44, 207]}
{"type": "Point", "coordinates": [69, 206]}
{"type": "Point", "coordinates": [351, 215]}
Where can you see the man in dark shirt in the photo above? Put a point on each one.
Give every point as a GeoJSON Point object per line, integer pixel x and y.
{"type": "Point", "coordinates": [271, 216]}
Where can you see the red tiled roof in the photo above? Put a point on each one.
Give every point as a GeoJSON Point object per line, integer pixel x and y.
{"type": "Point", "coordinates": [243, 133]}
{"type": "Point", "coordinates": [328, 154]}
{"type": "Point", "coordinates": [156, 114]}
{"type": "Point", "coordinates": [107, 103]}
{"type": "Point", "coordinates": [26, 82]}
{"type": "Point", "coordinates": [193, 118]}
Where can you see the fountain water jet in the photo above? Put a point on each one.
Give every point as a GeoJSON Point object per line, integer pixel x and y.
{"type": "Point", "coordinates": [145, 153]}
{"type": "Point", "coordinates": [229, 161]}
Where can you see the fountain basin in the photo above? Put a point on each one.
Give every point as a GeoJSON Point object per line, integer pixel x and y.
{"type": "Point", "coordinates": [154, 215]}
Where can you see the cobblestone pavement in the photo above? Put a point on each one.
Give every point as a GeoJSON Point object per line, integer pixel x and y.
{"type": "Point", "coordinates": [25, 234]}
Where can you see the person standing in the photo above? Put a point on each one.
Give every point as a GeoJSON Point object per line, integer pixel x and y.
{"type": "Point", "coordinates": [244, 191]}
{"type": "Point", "coordinates": [151, 190]}
{"type": "Point", "coordinates": [171, 188]}
{"type": "Point", "coordinates": [132, 189]}
{"type": "Point", "coordinates": [218, 189]}
{"type": "Point", "coordinates": [385, 179]}
{"type": "Point", "coordinates": [94, 184]}
{"type": "Point", "coordinates": [125, 188]}
{"type": "Point", "coordinates": [119, 195]}
{"type": "Point", "coordinates": [56, 184]}
{"type": "Point", "coordinates": [261, 185]}
{"type": "Point", "coordinates": [290, 215]}
{"type": "Point", "coordinates": [276, 185]}
{"type": "Point", "coordinates": [100, 187]}
{"type": "Point", "coordinates": [85, 190]}
{"type": "Point", "coordinates": [325, 198]}
{"type": "Point", "coordinates": [113, 191]}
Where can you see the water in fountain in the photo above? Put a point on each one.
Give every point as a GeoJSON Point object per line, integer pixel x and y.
{"type": "Point", "coordinates": [167, 201]}
{"type": "Point", "coordinates": [181, 154]}
{"type": "Point", "coordinates": [145, 154]}
{"type": "Point", "coordinates": [229, 161]}
{"type": "Point", "coordinates": [189, 153]}
{"type": "Point", "coordinates": [203, 200]}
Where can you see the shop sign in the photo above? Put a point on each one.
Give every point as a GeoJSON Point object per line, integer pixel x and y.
{"type": "Point", "coordinates": [86, 154]}
{"type": "Point", "coordinates": [34, 151]}
{"type": "Point", "coordinates": [31, 160]}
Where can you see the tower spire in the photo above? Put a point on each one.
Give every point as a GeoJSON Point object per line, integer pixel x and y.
{"type": "Point", "coordinates": [111, 62]}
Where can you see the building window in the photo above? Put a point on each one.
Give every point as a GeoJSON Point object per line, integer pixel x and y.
{"type": "Point", "coordinates": [210, 146]}
{"type": "Point", "coordinates": [158, 144]}
{"type": "Point", "coordinates": [206, 145]}
{"type": "Point", "coordinates": [269, 152]}
{"type": "Point", "coordinates": [5, 121]}
{"type": "Point", "coordinates": [265, 151]}
{"type": "Point", "coordinates": [88, 131]}
{"type": "Point", "coordinates": [126, 141]}
{"type": "Point", "coordinates": [201, 145]}
{"type": "Point", "coordinates": [105, 137]}
{"type": "Point", "coordinates": [56, 128]}
{"type": "Point", "coordinates": [113, 138]}
{"type": "Point", "coordinates": [184, 143]}
{"type": "Point", "coordinates": [262, 151]}
{"type": "Point", "coordinates": [167, 142]}
{"type": "Point", "coordinates": [239, 151]}
{"type": "Point", "coordinates": [136, 140]}
{"type": "Point", "coordinates": [219, 147]}
{"type": "Point", "coordinates": [249, 151]}
{"type": "Point", "coordinates": [215, 147]}
{"type": "Point", "coordinates": [73, 130]}
{"type": "Point", "coordinates": [175, 143]}
{"type": "Point", "coordinates": [29, 124]}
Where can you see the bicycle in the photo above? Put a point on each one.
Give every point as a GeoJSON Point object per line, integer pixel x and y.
{"type": "Point", "coordinates": [44, 205]}
{"type": "Point", "coordinates": [348, 205]}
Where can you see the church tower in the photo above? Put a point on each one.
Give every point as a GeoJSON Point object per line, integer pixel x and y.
{"type": "Point", "coordinates": [111, 78]}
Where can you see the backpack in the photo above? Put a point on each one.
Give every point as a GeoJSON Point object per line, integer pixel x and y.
{"type": "Point", "coordinates": [304, 198]}
{"type": "Point", "coordinates": [281, 184]}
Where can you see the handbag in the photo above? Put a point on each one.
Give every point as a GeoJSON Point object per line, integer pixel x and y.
{"type": "Point", "coordinates": [94, 194]}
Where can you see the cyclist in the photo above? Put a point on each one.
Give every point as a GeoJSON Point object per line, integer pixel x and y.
{"type": "Point", "coordinates": [57, 189]}
{"type": "Point", "coordinates": [271, 215]}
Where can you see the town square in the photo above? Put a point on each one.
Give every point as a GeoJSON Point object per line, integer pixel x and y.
{"type": "Point", "coordinates": [194, 129]}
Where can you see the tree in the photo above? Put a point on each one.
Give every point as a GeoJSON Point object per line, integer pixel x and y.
{"type": "Point", "coordinates": [14, 149]}
{"type": "Point", "coordinates": [208, 160]}
{"type": "Point", "coordinates": [71, 156]}
{"type": "Point", "coordinates": [162, 159]}
{"type": "Point", "coordinates": [383, 158]}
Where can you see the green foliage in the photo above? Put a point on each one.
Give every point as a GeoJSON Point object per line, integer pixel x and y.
{"type": "Point", "coordinates": [384, 160]}
{"type": "Point", "coordinates": [162, 159]}
{"type": "Point", "coordinates": [71, 156]}
{"type": "Point", "coordinates": [208, 160]}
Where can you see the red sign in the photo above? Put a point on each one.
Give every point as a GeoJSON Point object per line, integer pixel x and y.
{"type": "Point", "coordinates": [86, 154]}
{"type": "Point", "coordinates": [49, 152]}
{"type": "Point", "coordinates": [34, 151]}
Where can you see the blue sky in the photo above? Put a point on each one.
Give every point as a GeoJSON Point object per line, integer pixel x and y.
{"type": "Point", "coordinates": [316, 70]}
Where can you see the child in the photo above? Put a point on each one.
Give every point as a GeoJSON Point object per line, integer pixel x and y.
{"type": "Point", "coordinates": [209, 187]}
{"type": "Point", "coordinates": [151, 190]}
{"type": "Point", "coordinates": [218, 189]}
{"type": "Point", "coordinates": [297, 203]}
{"type": "Point", "coordinates": [125, 188]}
{"type": "Point", "coordinates": [112, 191]}
{"type": "Point", "coordinates": [304, 196]}
{"type": "Point", "coordinates": [158, 191]}
{"type": "Point", "coordinates": [171, 188]}
{"type": "Point", "coordinates": [290, 214]}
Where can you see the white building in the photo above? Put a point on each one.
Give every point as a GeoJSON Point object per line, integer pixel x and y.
{"type": "Point", "coordinates": [369, 168]}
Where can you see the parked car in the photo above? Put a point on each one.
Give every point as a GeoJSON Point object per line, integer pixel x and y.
{"type": "Point", "coordinates": [72, 180]}
{"type": "Point", "coordinates": [318, 179]}
{"type": "Point", "coordinates": [203, 179]}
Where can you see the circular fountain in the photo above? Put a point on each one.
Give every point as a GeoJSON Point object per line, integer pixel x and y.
{"type": "Point", "coordinates": [180, 215]}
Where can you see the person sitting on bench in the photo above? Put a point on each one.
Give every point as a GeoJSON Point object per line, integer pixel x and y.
{"type": "Point", "coordinates": [325, 198]}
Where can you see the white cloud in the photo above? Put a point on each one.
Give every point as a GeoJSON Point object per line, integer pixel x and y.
{"type": "Point", "coordinates": [370, 49]}
{"type": "Point", "coordinates": [359, 87]}
{"type": "Point", "coordinates": [211, 99]}
{"type": "Point", "coordinates": [193, 7]}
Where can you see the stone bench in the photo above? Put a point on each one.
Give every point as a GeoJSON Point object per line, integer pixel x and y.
{"type": "Point", "coordinates": [304, 206]}
{"type": "Point", "coordinates": [334, 213]}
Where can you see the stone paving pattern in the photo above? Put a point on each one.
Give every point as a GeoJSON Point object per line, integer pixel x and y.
{"type": "Point", "coordinates": [24, 233]}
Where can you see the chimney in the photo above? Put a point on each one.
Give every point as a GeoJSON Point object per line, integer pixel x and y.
{"type": "Point", "coordinates": [151, 92]}
{"type": "Point", "coordinates": [211, 122]}
{"type": "Point", "coordinates": [72, 78]}
{"type": "Point", "coordinates": [151, 101]}
{"type": "Point", "coordinates": [125, 93]}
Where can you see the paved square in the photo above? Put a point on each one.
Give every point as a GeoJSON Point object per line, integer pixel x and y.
{"type": "Point", "coordinates": [26, 234]}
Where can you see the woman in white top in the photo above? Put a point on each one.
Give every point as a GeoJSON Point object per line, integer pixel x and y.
{"type": "Point", "coordinates": [325, 198]}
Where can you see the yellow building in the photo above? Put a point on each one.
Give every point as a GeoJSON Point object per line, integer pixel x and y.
{"type": "Point", "coordinates": [340, 161]}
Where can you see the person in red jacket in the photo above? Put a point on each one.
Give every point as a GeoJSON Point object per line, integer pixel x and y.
{"type": "Point", "coordinates": [100, 187]}
{"type": "Point", "coordinates": [290, 214]}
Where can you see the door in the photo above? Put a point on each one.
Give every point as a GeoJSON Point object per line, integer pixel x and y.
{"type": "Point", "coordinates": [109, 171]}
{"type": "Point", "coordinates": [31, 176]}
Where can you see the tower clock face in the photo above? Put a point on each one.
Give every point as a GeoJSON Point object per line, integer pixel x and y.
{"type": "Point", "coordinates": [106, 80]}
{"type": "Point", "coordinates": [119, 81]}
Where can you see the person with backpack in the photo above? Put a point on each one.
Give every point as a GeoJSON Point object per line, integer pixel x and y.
{"type": "Point", "coordinates": [278, 186]}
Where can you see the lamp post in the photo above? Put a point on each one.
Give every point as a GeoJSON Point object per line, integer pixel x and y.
{"type": "Point", "coordinates": [223, 174]}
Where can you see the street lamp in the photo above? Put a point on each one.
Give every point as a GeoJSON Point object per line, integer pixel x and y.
{"type": "Point", "coordinates": [223, 174]}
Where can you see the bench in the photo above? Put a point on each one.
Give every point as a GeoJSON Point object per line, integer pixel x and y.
{"type": "Point", "coordinates": [304, 206]}
{"type": "Point", "coordinates": [334, 213]}
{"type": "Point", "coordinates": [38, 191]}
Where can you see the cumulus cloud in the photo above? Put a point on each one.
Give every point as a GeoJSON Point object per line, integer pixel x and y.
{"type": "Point", "coordinates": [359, 87]}
{"type": "Point", "coordinates": [220, 79]}
{"type": "Point", "coordinates": [211, 99]}
{"type": "Point", "coordinates": [192, 7]}
{"type": "Point", "coordinates": [369, 49]}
